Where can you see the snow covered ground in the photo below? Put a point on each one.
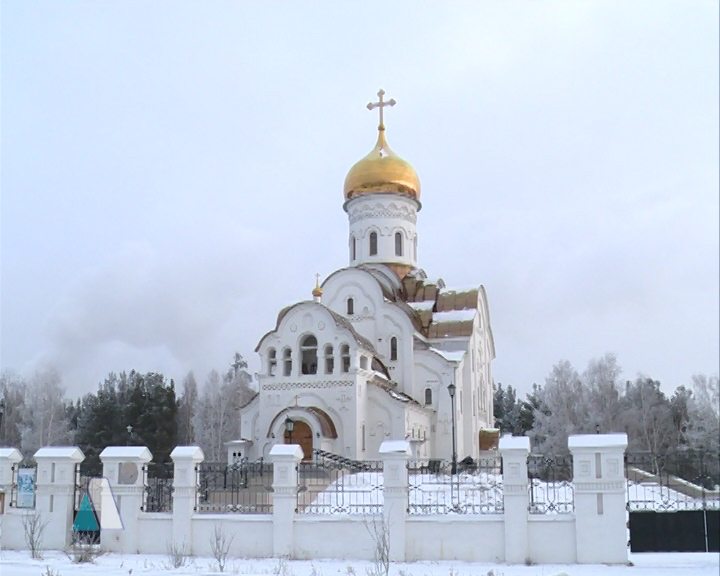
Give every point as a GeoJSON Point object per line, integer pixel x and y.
{"type": "Point", "coordinates": [58, 564]}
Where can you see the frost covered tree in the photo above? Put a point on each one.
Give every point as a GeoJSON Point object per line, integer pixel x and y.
{"type": "Point", "coordinates": [12, 391]}
{"type": "Point", "coordinates": [44, 419]}
{"type": "Point", "coordinates": [563, 410]}
{"type": "Point", "coordinates": [647, 417]}
{"type": "Point", "coordinates": [601, 381]}
{"type": "Point", "coordinates": [186, 408]}
{"type": "Point", "coordinates": [216, 419]}
{"type": "Point", "coordinates": [703, 429]}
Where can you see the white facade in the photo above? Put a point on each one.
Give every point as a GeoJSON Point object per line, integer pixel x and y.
{"type": "Point", "coordinates": [371, 357]}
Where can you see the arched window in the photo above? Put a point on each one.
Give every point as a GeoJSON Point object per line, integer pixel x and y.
{"type": "Point", "coordinates": [287, 362]}
{"type": "Point", "coordinates": [353, 248]}
{"type": "Point", "coordinates": [363, 362]}
{"type": "Point", "coordinates": [329, 359]}
{"type": "Point", "coordinates": [272, 361]}
{"type": "Point", "coordinates": [350, 306]}
{"type": "Point", "coordinates": [308, 354]}
{"type": "Point", "coordinates": [393, 348]}
{"type": "Point", "coordinates": [345, 357]}
{"type": "Point", "coordinates": [398, 244]}
{"type": "Point", "coordinates": [428, 396]}
{"type": "Point", "coordinates": [373, 243]}
{"type": "Point", "coordinates": [415, 248]}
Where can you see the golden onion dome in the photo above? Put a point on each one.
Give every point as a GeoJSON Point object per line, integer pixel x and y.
{"type": "Point", "coordinates": [382, 171]}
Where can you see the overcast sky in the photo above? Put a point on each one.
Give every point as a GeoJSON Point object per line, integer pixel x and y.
{"type": "Point", "coordinates": [172, 174]}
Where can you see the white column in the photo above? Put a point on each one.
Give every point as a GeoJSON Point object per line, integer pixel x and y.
{"type": "Point", "coordinates": [600, 498]}
{"type": "Point", "coordinates": [8, 458]}
{"type": "Point", "coordinates": [285, 458]}
{"type": "Point", "coordinates": [514, 452]}
{"type": "Point", "coordinates": [185, 459]}
{"type": "Point", "coordinates": [395, 455]}
{"type": "Point", "coordinates": [55, 492]}
{"type": "Point", "coordinates": [122, 466]}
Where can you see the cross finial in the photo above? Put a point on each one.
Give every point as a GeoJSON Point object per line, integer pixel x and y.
{"type": "Point", "coordinates": [317, 280]}
{"type": "Point", "coordinates": [381, 104]}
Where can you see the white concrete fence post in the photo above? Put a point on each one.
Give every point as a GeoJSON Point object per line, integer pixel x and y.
{"type": "Point", "coordinates": [185, 459]}
{"type": "Point", "coordinates": [514, 452]}
{"type": "Point", "coordinates": [285, 459]}
{"type": "Point", "coordinates": [122, 466]}
{"type": "Point", "coordinates": [395, 455]}
{"type": "Point", "coordinates": [55, 493]}
{"type": "Point", "coordinates": [11, 539]}
{"type": "Point", "coordinates": [600, 498]}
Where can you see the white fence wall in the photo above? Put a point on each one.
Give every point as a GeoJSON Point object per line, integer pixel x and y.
{"type": "Point", "coordinates": [596, 532]}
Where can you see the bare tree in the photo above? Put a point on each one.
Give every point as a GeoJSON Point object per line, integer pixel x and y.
{"type": "Point", "coordinates": [220, 546]}
{"type": "Point", "coordinates": [44, 413]}
{"type": "Point", "coordinates": [34, 530]}
{"type": "Point", "coordinates": [703, 430]}
{"type": "Point", "coordinates": [379, 530]}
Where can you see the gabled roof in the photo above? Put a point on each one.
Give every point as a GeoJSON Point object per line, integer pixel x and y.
{"type": "Point", "coordinates": [340, 321]}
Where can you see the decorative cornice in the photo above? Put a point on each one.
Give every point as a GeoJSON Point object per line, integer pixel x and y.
{"type": "Point", "coordinates": [515, 488]}
{"type": "Point", "coordinates": [612, 486]}
{"type": "Point", "coordinates": [360, 215]}
{"type": "Point", "coordinates": [308, 385]}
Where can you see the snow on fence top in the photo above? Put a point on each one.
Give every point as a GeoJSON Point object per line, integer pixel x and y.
{"type": "Point", "coordinates": [597, 441]}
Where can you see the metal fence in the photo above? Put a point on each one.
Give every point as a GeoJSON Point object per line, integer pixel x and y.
{"type": "Point", "coordinates": [331, 484]}
{"type": "Point", "coordinates": [672, 482]}
{"type": "Point", "coordinates": [475, 488]}
{"type": "Point", "coordinates": [24, 483]}
{"type": "Point", "coordinates": [158, 482]}
{"type": "Point", "coordinates": [550, 487]}
{"type": "Point", "coordinates": [242, 488]}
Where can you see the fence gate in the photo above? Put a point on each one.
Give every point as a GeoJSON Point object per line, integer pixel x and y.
{"type": "Point", "coordinates": [673, 502]}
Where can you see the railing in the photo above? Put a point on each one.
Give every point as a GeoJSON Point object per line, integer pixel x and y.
{"type": "Point", "coordinates": [331, 485]}
{"type": "Point", "coordinates": [476, 487]}
{"type": "Point", "coordinates": [243, 488]}
{"type": "Point", "coordinates": [158, 483]}
{"type": "Point", "coordinates": [683, 480]}
{"type": "Point", "coordinates": [24, 478]}
{"type": "Point", "coordinates": [550, 488]}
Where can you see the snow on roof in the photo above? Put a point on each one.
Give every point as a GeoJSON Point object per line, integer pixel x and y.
{"type": "Point", "coordinates": [395, 447]}
{"type": "Point", "coordinates": [187, 452]}
{"type": "Point", "coordinates": [453, 356]}
{"type": "Point", "coordinates": [514, 443]}
{"type": "Point", "coordinates": [426, 305]}
{"type": "Point", "coordinates": [287, 450]}
{"type": "Point", "coordinates": [454, 316]}
{"type": "Point", "coordinates": [11, 454]}
{"type": "Point", "coordinates": [597, 441]}
{"type": "Point", "coordinates": [72, 452]}
{"type": "Point", "coordinates": [140, 452]}
{"type": "Point", "coordinates": [461, 289]}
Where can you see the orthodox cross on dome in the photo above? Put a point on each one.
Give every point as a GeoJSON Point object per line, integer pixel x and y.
{"type": "Point", "coordinates": [381, 104]}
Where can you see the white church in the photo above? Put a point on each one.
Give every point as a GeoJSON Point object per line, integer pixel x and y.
{"type": "Point", "coordinates": [376, 352]}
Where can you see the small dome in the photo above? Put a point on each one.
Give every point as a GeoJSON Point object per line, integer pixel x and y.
{"type": "Point", "coordinates": [382, 171]}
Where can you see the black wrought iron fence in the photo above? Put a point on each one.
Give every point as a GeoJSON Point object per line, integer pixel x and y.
{"type": "Point", "coordinates": [243, 488]}
{"type": "Point", "coordinates": [24, 479]}
{"type": "Point", "coordinates": [476, 487]}
{"type": "Point", "coordinates": [550, 487]}
{"type": "Point", "coordinates": [158, 482]}
{"type": "Point", "coordinates": [333, 485]}
{"type": "Point", "coordinates": [671, 482]}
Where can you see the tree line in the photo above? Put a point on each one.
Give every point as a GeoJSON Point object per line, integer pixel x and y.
{"type": "Point", "coordinates": [129, 408]}
{"type": "Point", "coordinates": [597, 401]}
{"type": "Point", "coordinates": [146, 409]}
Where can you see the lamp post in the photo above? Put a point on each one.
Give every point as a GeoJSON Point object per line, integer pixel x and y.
{"type": "Point", "coordinates": [289, 425]}
{"type": "Point", "coordinates": [129, 430]}
{"type": "Point", "coordinates": [451, 390]}
{"type": "Point", "coordinates": [2, 411]}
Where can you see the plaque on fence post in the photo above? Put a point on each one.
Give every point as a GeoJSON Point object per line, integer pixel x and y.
{"type": "Point", "coordinates": [26, 488]}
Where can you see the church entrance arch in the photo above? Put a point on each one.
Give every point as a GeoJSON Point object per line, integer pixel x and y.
{"type": "Point", "coordinates": [302, 435]}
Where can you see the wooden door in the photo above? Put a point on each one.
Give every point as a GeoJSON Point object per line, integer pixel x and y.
{"type": "Point", "coordinates": [302, 435]}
